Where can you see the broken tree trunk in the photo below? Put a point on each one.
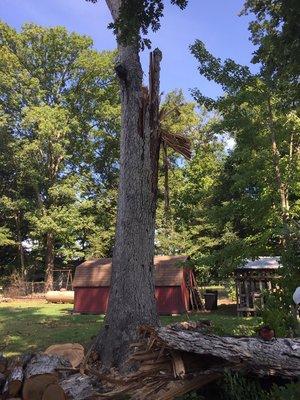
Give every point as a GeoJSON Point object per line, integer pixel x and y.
{"type": "Point", "coordinates": [279, 357]}
{"type": "Point", "coordinates": [132, 293]}
{"type": "Point", "coordinates": [182, 357]}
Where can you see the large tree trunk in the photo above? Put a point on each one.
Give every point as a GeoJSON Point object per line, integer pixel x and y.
{"type": "Point", "coordinates": [132, 293]}
{"type": "Point", "coordinates": [49, 262]}
{"type": "Point", "coordinates": [282, 187]}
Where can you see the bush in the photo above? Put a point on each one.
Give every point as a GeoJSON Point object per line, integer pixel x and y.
{"type": "Point", "coordinates": [237, 387]}
{"type": "Point", "coordinates": [278, 313]}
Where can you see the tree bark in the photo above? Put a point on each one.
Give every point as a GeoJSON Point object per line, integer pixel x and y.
{"type": "Point", "coordinates": [20, 246]}
{"type": "Point", "coordinates": [281, 186]}
{"type": "Point", "coordinates": [49, 262]}
{"type": "Point", "coordinates": [279, 357]}
{"type": "Point", "coordinates": [132, 293]}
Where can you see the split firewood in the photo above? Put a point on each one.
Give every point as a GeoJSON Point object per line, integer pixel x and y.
{"type": "Point", "coordinates": [74, 352]}
{"type": "Point", "coordinates": [78, 387]}
{"type": "Point", "coordinates": [41, 372]}
{"type": "Point", "coordinates": [15, 380]}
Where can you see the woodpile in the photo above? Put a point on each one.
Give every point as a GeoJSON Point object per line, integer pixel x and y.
{"type": "Point", "coordinates": [166, 362]}
{"type": "Point", "coordinates": [60, 296]}
{"type": "Point", "coordinates": [47, 376]}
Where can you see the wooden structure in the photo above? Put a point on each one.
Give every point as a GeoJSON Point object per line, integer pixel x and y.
{"type": "Point", "coordinates": [175, 286]}
{"type": "Point", "coordinates": [252, 279]}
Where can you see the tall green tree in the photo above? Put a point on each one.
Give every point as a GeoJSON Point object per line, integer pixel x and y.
{"type": "Point", "coordinates": [260, 194]}
{"type": "Point", "coordinates": [60, 109]}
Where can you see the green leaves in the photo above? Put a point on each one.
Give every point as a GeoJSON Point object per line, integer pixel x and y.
{"type": "Point", "coordinates": [59, 124]}
{"type": "Point", "coordinates": [135, 19]}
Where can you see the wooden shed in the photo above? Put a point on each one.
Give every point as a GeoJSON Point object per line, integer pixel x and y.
{"type": "Point", "coordinates": [175, 286]}
{"type": "Point", "coordinates": [252, 279]}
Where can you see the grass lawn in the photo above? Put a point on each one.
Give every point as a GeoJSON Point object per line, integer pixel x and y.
{"type": "Point", "coordinates": [31, 325]}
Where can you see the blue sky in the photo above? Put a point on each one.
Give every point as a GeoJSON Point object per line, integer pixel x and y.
{"type": "Point", "coordinates": [215, 22]}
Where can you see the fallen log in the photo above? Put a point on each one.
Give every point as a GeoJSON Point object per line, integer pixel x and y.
{"type": "Point", "coordinates": [279, 357]}
{"type": "Point", "coordinates": [66, 296]}
{"type": "Point", "coordinates": [177, 359]}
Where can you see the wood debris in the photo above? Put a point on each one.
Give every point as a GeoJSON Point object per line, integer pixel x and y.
{"type": "Point", "coordinates": [169, 362]}
{"type": "Point", "coordinates": [182, 357]}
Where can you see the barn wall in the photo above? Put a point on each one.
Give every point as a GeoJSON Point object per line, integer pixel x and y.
{"type": "Point", "coordinates": [169, 300]}
{"type": "Point", "coordinates": [92, 300]}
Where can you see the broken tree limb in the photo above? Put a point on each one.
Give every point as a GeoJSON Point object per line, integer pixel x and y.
{"type": "Point", "coordinates": [279, 357]}
{"type": "Point", "coordinates": [185, 356]}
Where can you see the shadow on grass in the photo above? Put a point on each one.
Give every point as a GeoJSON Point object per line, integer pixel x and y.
{"type": "Point", "coordinates": [25, 329]}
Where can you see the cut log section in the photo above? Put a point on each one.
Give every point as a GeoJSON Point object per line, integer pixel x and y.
{"type": "Point", "coordinates": [41, 372]}
{"type": "Point", "coordinates": [78, 387]}
{"type": "Point", "coordinates": [74, 352]}
{"type": "Point", "coordinates": [66, 296]}
{"type": "Point", "coordinates": [15, 381]}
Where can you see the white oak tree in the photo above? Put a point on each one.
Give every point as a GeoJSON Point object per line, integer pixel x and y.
{"type": "Point", "coordinates": [132, 295]}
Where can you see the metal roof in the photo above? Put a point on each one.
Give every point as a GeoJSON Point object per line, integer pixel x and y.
{"type": "Point", "coordinates": [262, 263]}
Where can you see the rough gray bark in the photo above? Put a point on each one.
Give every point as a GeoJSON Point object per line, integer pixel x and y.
{"type": "Point", "coordinates": [41, 372]}
{"type": "Point", "coordinates": [78, 387]}
{"type": "Point", "coordinates": [279, 357]}
{"type": "Point", "coordinates": [44, 364]}
{"type": "Point", "coordinates": [132, 300]}
{"type": "Point", "coordinates": [49, 263]}
{"type": "Point", "coordinates": [15, 380]}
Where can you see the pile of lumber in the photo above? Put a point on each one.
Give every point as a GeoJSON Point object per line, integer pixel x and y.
{"type": "Point", "coordinates": [180, 358]}
{"type": "Point", "coordinates": [52, 375]}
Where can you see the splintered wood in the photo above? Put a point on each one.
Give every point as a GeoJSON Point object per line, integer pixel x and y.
{"type": "Point", "coordinates": [167, 362]}
{"type": "Point", "coordinates": [177, 359]}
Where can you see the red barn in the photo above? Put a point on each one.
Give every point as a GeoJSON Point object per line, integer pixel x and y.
{"type": "Point", "coordinates": [173, 285]}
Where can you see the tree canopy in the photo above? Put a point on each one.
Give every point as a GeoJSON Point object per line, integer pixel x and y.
{"type": "Point", "coordinates": [59, 107]}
